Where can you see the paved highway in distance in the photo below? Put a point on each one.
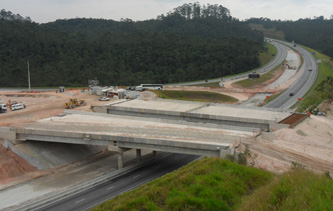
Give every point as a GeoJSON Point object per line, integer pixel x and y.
{"type": "Point", "coordinates": [90, 198]}
{"type": "Point", "coordinates": [300, 87]}
{"type": "Point", "coordinates": [278, 59]}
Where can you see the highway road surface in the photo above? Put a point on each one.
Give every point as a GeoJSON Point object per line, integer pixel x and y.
{"type": "Point", "coordinates": [301, 86]}
{"type": "Point", "coordinates": [278, 59]}
{"type": "Point", "coordinates": [92, 197]}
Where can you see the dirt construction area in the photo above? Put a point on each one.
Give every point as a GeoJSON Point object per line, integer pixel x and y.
{"type": "Point", "coordinates": [309, 144]}
{"type": "Point", "coordinates": [38, 106]}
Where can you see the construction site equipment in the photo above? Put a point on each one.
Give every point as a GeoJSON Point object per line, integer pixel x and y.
{"type": "Point", "coordinates": [3, 108]}
{"type": "Point", "coordinates": [73, 102]}
{"type": "Point", "coordinates": [291, 67]}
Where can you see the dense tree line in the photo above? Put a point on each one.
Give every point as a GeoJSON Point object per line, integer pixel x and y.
{"type": "Point", "coordinates": [172, 48]}
{"type": "Point", "coordinates": [316, 33]}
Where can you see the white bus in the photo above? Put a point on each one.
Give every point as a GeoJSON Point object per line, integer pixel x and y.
{"type": "Point", "coordinates": [152, 86]}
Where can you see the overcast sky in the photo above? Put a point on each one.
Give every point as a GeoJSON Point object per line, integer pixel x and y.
{"type": "Point", "coordinates": [42, 11]}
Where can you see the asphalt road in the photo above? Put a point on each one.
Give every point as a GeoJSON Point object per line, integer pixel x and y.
{"type": "Point", "coordinates": [92, 197]}
{"type": "Point", "coordinates": [278, 59]}
{"type": "Point", "coordinates": [301, 86]}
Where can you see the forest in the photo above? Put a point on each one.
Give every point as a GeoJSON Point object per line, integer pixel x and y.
{"type": "Point", "coordinates": [191, 42]}
{"type": "Point", "coordinates": [316, 33]}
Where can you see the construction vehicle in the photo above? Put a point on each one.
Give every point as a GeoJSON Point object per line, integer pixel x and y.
{"type": "Point", "coordinates": [73, 102]}
{"type": "Point", "coordinates": [3, 108]}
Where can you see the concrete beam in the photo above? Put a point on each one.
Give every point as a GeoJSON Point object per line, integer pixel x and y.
{"type": "Point", "coordinates": [7, 133]}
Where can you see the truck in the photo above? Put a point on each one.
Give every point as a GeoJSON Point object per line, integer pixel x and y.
{"type": "Point", "coordinates": [3, 108]}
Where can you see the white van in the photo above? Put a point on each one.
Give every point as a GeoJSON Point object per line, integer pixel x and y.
{"type": "Point", "coordinates": [17, 106]}
{"type": "Point", "coordinates": [3, 108]}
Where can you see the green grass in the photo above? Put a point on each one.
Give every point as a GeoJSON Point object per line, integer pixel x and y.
{"type": "Point", "coordinates": [208, 184]}
{"type": "Point", "coordinates": [295, 190]}
{"type": "Point", "coordinates": [272, 33]}
{"type": "Point", "coordinates": [249, 83]}
{"type": "Point", "coordinates": [201, 96]}
{"type": "Point", "coordinates": [267, 56]}
{"type": "Point", "coordinates": [210, 85]}
{"type": "Point", "coordinates": [313, 98]}
{"type": "Point", "coordinates": [215, 184]}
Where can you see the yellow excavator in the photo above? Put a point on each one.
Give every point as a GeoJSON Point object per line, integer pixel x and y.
{"type": "Point", "coordinates": [73, 102]}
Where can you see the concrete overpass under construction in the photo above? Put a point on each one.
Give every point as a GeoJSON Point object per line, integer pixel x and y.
{"type": "Point", "coordinates": [168, 126]}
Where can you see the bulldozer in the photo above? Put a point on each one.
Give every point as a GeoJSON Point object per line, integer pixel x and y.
{"type": "Point", "coordinates": [73, 102]}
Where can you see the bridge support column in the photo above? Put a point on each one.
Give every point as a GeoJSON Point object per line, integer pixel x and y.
{"type": "Point", "coordinates": [121, 151]}
{"type": "Point", "coordinates": [120, 158]}
{"type": "Point", "coordinates": [224, 153]}
{"type": "Point", "coordinates": [138, 155]}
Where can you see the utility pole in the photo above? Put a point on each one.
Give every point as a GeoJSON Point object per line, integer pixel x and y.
{"type": "Point", "coordinates": [29, 77]}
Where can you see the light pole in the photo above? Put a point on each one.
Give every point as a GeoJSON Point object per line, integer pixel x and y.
{"type": "Point", "coordinates": [29, 77]}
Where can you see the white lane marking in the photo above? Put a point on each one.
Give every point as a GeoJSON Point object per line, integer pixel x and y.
{"type": "Point", "coordinates": [110, 188]}
{"type": "Point", "coordinates": [79, 201]}
{"type": "Point", "coordinates": [136, 176]}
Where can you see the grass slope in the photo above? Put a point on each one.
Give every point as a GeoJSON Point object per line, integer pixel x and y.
{"type": "Point", "coordinates": [208, 184]}
{"type": "Point", "coordinates": [295, 190]}
{"type": "Point", "coordinates": [216, 184]}
{"type": "Point", "coordinates": [249, 83]}
{"type": "Point", "coordinates": [272, 33]}
{"type": "Point", "coordinates": [201, 96]}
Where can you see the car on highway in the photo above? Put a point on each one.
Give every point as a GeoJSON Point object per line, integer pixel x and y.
{"type": "Point", "coordinates": [104, 99]}
{"type": "Point", "coordinates": [17, 106]}
{"type": "Point", "coordinates": [310, 69]}
{"type": "Point", "coordinates": [291, 94]}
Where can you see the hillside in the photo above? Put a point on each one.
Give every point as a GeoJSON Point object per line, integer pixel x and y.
{"type": "Point", "coordinates": [168, 49]}
{"type": "Point", "coordinates": [216, 184]}
{"type": "Point", "coordinates": [316, 33]}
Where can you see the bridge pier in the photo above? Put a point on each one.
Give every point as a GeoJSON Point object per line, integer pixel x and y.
{"type": "Point", "coordinates": [138, 155]}
{"type": "Point", "coordinates": [121, 151]}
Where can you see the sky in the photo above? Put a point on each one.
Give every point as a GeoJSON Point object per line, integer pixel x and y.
{"type": "Point", "coordinates": [42, 11]}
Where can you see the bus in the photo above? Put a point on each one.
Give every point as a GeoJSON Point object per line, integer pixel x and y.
{"type": "Point", "coordinates": [152, 86]}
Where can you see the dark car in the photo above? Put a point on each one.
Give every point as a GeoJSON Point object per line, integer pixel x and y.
{"type": "Point", "coordinates": [291, 94]}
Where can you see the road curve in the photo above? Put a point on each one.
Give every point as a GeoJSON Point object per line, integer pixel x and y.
{"type": "Point", "coordinates": [302, 85]}
{"type": "Point", "coordinates": [278, 59]}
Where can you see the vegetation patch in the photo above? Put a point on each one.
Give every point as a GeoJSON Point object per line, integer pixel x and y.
{"type": "Point", "coordinates": [253, 82]}
{"type": "Point", "coordinates": [296, 190]}
{"type": "Point", "coordinates": [216, 184]}
{"type": "Point", "coordinates": [201, 96]}
{"type": "Point", "coordinates": [208, 184]}
{"type": "Point", "coordinates": [272, 33]}
{"type": "Point", "coordinates": [268, 54]}
{"type": "Point", "coordinates": [210, 85]}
